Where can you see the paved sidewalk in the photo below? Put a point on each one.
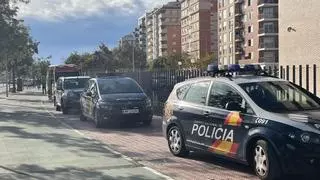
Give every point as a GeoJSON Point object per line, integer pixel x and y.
{"type": "Point", "coordinates": [35, 145]}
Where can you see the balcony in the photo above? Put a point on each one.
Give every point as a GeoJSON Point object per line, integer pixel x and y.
{"type": "Point", "coordinates": [268, 17]}
{"type": "Point", "coordinates": [238, 50]}
{"type": "Point", "coordinates": [238, 38]}
{"type": "Point", "coordinates": [272, 46]}
{"type": "Point", "coordinates": [238, 25]}
{"type": "Point", "coordinates": [238, 1]}
{"type": "Point", "coordinates": [238, 12]}
{"type": "Point", "coordinates": [268, 32]}
{"type": "Point", "coordinates": [267, 3]}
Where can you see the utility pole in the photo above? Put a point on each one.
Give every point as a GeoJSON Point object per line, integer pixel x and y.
{"type": "Point", "coordinates": [133, 66]}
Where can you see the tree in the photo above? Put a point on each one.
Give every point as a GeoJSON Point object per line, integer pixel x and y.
{"type": "Point", "coordinates": [205, 61]}
{"type": "Point", "coordinates": [16, 44]}
{"type": "Point", "coordinates": [173, 61]}
{"type": "Point", "coordinates": [123, 57]}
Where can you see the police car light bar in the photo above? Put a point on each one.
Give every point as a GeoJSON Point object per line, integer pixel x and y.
{"type": "Point", "coordinates": [235, 69]}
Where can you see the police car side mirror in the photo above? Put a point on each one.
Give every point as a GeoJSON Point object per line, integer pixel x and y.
{"type": "Point", "coordinates": [234, 106]}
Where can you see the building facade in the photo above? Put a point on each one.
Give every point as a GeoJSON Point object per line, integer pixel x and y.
{"type": "Point", "coordinates": [142, 33]}
{"type": "Point", "coordinates": [163, 33]}
{"type": "Point", "coordinates": [248, 31]}
{"type": "Point", "coordinates": [299, 35]}
{"type": "Point", "coordinates": [199, 27]}
{"type": "Point", "coordinates": [299, 41]}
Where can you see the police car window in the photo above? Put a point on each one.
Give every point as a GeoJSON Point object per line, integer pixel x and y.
{"type": "Point", "coordinates": [197, 93]}
{"type": "Point", "coordinates": [279, 96]}
{"type": "Point", "coordinates": [221, 94]}
{"type": "Point", "coordinates": [181, 92]}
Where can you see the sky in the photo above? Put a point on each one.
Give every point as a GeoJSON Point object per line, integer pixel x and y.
{"type": "Point", "coordinates": [65, 26]}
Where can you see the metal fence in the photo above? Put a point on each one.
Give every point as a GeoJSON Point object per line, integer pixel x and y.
{"type": "Point", "coordinates": [159, 84]}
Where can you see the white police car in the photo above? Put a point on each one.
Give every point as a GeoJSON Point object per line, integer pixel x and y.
{"type": "Point", "coordinates": [246, 115]}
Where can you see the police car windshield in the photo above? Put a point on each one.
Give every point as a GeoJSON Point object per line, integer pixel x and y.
{"type": "Point", "coordinates": [79, 83]}
{"type": "Point", "coordinates": [279, 96]}
{"type": "Point", "coordinates": [118, 85]}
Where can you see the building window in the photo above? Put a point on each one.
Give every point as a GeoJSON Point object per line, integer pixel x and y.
{"type": "Point", "coordinates": [230, 36]}
{"type": "Point", "coordinates": [250, 29]}
{"type": "Point", "coordinates": [174, 43]}
{"type": "Point", "coordinates": [174, 50]}
{"type": "Point", "coordinates": [174, 35]}
{"type": "Point", "coordinates": [249, 42]}
{"type": "Point", "coordinates": [249, 56]}
{"type": "Point", "coordinates": [249, 2]}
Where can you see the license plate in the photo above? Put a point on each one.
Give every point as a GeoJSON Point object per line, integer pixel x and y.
{"type": "Point", "coordinates": [130, 111]}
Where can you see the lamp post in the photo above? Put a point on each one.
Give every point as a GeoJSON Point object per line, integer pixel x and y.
{"type": "Point", "coordinates": [179, 63]}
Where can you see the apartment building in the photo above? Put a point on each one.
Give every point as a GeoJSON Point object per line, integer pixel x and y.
{"type": "Point", "coordinates": [129, 38]}
{"type": "Point", "coordinates": [248, 31]}
{"type": "Point", "coordinates": [149, 35]}
{"type": "Point", "coordinates": [199, 23]}
{"type": "Point", "coordinates": [142, 33]}
{"type": "Point", "coordinates": [163, 31]}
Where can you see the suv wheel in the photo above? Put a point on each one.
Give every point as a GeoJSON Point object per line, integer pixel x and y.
{"type": "Point", "coordinates": [176, 142]}
{"type": "Point", "coordinates": [65, 109]}
{"type": "Point", "coordinates": [97, 119]}
{"type": "Point", "coordinates": [58, 108]}
{"type": "Point", "coordinates": [265, 163]}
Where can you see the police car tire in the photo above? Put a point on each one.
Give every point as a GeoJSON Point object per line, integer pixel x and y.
{"type": "Point", "coordinates": [183, 150]}
{"type": "Point", "coordinates": [273, 166]}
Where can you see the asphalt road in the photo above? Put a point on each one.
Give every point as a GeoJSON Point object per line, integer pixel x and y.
{"type": "Point", "coordinates": [36, 145]}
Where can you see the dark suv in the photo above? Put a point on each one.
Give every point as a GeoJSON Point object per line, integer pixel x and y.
{"type": "Point", "coordinates": [113, 99]}
{"type": "Point", "coordinates": [67, 94]}
{"type": "Point", "coordinates": [269, 123]}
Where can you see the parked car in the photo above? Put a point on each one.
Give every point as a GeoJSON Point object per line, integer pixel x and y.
{"type": "Point", "coordinates": [67, 93]}
{"type": "Point", "coordinates": [112, 99]}
{"type": "Point", "coordinates": [269, 123]}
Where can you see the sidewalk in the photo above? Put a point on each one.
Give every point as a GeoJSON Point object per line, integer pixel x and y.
{"type": "Point", "coordinates": [35, 145]}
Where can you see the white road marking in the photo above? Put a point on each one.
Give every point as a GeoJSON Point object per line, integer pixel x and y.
{"type": "Point", "coordinates": [107, 147]}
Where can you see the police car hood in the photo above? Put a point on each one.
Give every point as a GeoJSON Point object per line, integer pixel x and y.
{"type": "Point", "coordinates": [304, 120]}
{"type": "Point", "coordinates": [123, 97]}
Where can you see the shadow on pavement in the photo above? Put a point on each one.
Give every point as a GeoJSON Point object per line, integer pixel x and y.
{"type": "Point", "coordinates": [19, 119]}
{"type": "Point", "coordinates": [35, 172]}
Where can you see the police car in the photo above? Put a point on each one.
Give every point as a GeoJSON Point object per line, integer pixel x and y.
{"type": "Point", "coordinates": [111, 99]}
{"type": "Point", "coordinates": [245, 115]}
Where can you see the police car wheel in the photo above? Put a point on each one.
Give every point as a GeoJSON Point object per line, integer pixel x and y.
{"type": "Point", "coordinates": [176, 142]}
{"type": "Point", "coordinates": [266, 165]}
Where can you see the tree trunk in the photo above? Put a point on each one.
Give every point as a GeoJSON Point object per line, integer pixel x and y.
{"type": "Point", "coordinates": [14, 90]}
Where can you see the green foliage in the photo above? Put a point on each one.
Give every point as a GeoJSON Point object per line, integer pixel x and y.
{"type": "Point", "coordinates": [16, 45]}
{"type": "Point", "coordinates": [103, 58]}
{"type": "Point", "coordinates": [39, 69]}
{"type": "Point", "coordinates": [171, 62]}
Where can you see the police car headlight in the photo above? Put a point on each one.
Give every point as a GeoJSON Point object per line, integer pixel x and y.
{"type": "Point", "coordinates": [305, 137]}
